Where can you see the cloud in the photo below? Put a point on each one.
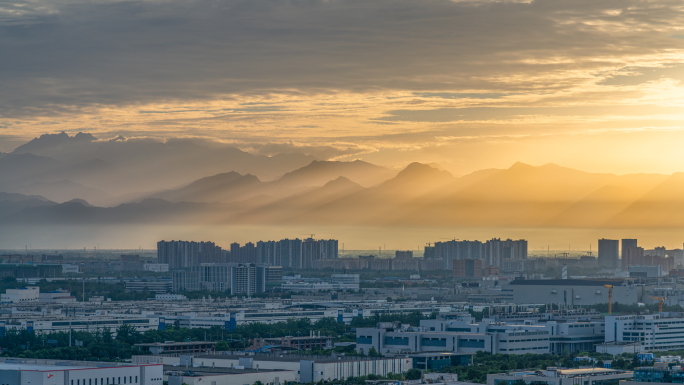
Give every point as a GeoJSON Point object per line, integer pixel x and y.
{"type": "Point", "coordinates": [340, 79]}
{"type": "Point", "coordinates": [74, 53]}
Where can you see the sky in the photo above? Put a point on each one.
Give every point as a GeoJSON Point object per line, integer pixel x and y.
{"type": "Point", "coordinates": [589, 84]}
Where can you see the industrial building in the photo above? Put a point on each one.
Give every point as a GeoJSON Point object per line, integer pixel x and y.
{"type": "Point", "coordinates": [575, 292]}
{"type": "Point", "coordinates": [176, 347]}
{"type": "Point", "coordinates": [308, 368]}
{"type": "Point", "coordinates": [559, 376]}
{"type": "Point", "coordinates": [15, 371]}
{"type": "Point", "coordinates": [654, 332]}
{"type": "Point", "coordinates": [435, 336]}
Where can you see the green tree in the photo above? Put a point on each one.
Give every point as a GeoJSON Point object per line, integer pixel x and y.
{"type": "Point", "coordinates": [413, 374]}
{"type": "Point", "coordinates": [372, 352]}
{"type": "Point", "coordinates": [221, 346]}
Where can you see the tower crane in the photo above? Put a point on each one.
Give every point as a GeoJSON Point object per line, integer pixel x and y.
{"type": "Point", "coordinates": [610, 298]}
{"type": "Point", "coordinates": [660, 303]}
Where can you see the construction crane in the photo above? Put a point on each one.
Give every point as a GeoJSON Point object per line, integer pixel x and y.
{"type": "Point", "coordinates": [610, 298]}
{"type": "Point", "coordinates": [660, 303]}
{"type": "Point", "coordinates": [311, 235]}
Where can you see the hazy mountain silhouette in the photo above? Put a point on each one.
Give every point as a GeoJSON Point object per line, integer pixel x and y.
{"type": "Point", "coordinates": [63, 191]}
{"type": "Point", "coordinates": [318, 173]}
{"type": "Point", "coordinates": [122, 166]}
{"type": "Point", "coordinates": [11, 203]}
{"type": "Point", "coordinates": [327, 193]}
{"type": "Point", "coordinates": [232, 186]}
{"type": "Point", "coordinates": [378, 204]}
{"type": "Point", "coordinates": [289, 209]}
{"type": "Point", "coordinates": [148, 211]}
{"type": "Point", "coordinates": [662, 206]}
{"type": "Point", "coordinates": [226, 187]}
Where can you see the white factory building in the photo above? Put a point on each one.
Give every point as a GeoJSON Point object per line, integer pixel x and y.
{"type": "Point", "coordinates": [51, 372]}
{"type": "Point", "coordinates": [24, 295]}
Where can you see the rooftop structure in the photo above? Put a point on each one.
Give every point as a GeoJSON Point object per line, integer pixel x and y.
{"type": "Point", "coordinates": [559, 376]}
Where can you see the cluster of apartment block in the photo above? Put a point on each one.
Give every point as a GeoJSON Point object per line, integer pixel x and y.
{"type": "Point", "coordinates": [239, 278]}
{"type": "Point", "coordinates": [294, 253]}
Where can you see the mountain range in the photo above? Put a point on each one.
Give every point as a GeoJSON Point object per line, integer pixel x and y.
{"type": "Point", "coordinates": [62, 179]}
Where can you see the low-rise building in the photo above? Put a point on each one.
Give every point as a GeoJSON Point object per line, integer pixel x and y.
{"type": "Point", "coordinates": [432, 337]}
{"type": "Point", "coordinates": [310, 342]}
{"type": "Point", "coordinates": [156, 267]}
{"type": "Point", "coordinates": [308, 368]}
{"type": "Point", "coordinates": [176, 347]}
{"type": "Point", "coordinates": [17, 371]}
{"type": "Point", "coordinates": [56, 296]}
{"type": "Point", "coordinates": [170, 297]}
{"type": "Point", "coordinates": [667, 375]}
{"type": "Point", "coordinates": [23, 295]}
{"type": "Point", "coordinates": [438, 360]}
{"type": "Point", "coordinates": [69, 268]}
{"type": "Point", "coordinates": [157, 286]}
{"type": "Point", "coordinates": [655, 332]}
{"type": "Point", "coordinates": [559, 376]}
{"type": "Point", "coordinates": [227, 376]}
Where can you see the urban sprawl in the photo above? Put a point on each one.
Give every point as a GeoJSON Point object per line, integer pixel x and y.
{"type": "Point", "coordinates": [296, 311]}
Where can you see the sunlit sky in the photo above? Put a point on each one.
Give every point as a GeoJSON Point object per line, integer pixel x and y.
{"type": "Point", "coordinates": [589, 84]}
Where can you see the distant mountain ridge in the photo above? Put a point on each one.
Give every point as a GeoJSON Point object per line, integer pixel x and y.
{"type": "Point", "coordinates": [79, 179]}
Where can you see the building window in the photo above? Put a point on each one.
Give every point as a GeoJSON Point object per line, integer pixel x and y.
{"type": "Point", "coordinates": [119, 380]}
{"type": "Point", "coordinates": [124, 379]}
{"type": "Point", "coordinates": [136, 379]}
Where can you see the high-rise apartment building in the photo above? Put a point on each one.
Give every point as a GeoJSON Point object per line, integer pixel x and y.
{"type": "Point", "coordinates": [467, 268]}
{"type": "Point", "coordinates": [185, 280]}
{"type": "Point", "coordinates": [184, 254]}
{"type": "Point", "coordinates": [626, 244]}
{"type": "Point", "coordinates": [608, 253]}
{"type": "Point", "coordinates": [248, 279]}
{"type": "Point", "coordinates": [289, 252]}
{"type": "Point", "coordinates": [266, 252]}
{"type": "Point", "coordinates": [401, 254]}
{"type": "Point", "coordinates": [215, 276]}
{"type": "Point", "coordinates": [329, 248]}
{"type": "Point", "coordinates": [491, 253]}
{"type": "Point", "coordinates": [311, 252]}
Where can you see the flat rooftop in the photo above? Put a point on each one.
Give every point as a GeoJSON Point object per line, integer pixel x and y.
{"type": "Point", "coordinates": [208, 371]}
{"type": "Point", "coordinates": [435, 354]}
{"type": "Point", "coordinates": [289, 357]}
{"type": "Point", "coordinates": [577, 372]}
{"type": "Point", "coordinates": [173, 343]}
{"type": "Point", "coordinates": [56, 365]}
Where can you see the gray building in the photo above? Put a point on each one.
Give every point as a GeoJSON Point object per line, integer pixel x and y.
{"type": "Point", "coordinates": [560, 376]}
{"type": "Point", "coordinates": [185, 280]}
{"type": "Point", "coordinates": [50, 372]}
{"type": "Point", "coordinates": [160, 286]}
{"type": "Point", "coordinates": [436, 336]}
{"type": "Point", "coordinates": [608, 253]}
{"type": "Point", "coordinates": [627, 243]}
{"type": "Point", "coordinates": [215, 276]}
{"type": "Point", "coordinates": [574, 292]}
{"type": "Point", "coordinates": [248, 279]}
{"type": "Point", "coordinates": [184, 254]}
{"type": "Point", "coordinates": [637, 271]}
